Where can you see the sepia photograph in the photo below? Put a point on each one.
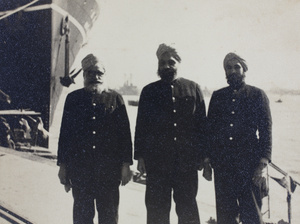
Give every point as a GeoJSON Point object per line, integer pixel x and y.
{"type": "Point", "coordinates": [148, 111]}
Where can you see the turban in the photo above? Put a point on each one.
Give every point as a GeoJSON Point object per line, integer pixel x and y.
{"type": "Point", "coordinates": [91, 61]}
{"type": "Point", "coordinates": [163, 48]}
{"type": "Point", "coordinates": [231, 56]}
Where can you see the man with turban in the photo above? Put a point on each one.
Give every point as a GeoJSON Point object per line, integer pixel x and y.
{"type": "Point", "coordinates": [170, 141]}
{"type": "Point", "coordinates": [240, 127]}
{"type": "Point", "coordinates": [95, 148]}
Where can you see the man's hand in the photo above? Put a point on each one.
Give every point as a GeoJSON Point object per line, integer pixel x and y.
{"type": "Point", "coordinates": [62, 174]}
{"type": "Point", "coordinates": [259, 170]}
{"type": "Point", "coordinates": [207, 171]}
{"type": "Point", "coordinates": [202, 163]}
{"type": "Point", "coordinates": [126, 174]}
{"type": "Point", "coordinates": [141, 166]}
{"type": "Point", "coordinates": [63, 177]}
{"type": "Point", "coordinates": [68, 187]}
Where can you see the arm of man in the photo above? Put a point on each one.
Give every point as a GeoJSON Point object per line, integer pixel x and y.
{"type": "Point", "coordinates": [141, 133]}
{"type": "Point", "coordinates": [265, 136]}
{"type": "Point", "coordinates": [265, 127]}
{"type": "Point", "coordinates": [66, 132]}
{"type": "Point", "coordinates": [64, 145]}
{"type": "Point", "coordinates": [125, 142]}
{"type": "Point", "coordinates": [201, 128]}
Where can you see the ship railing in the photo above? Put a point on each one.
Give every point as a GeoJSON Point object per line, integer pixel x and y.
{"type": "Point", "coordinates": [286, 182]}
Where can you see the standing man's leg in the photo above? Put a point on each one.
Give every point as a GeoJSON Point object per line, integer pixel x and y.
{"type": "Point", "coordinates": [83, 209]}
{"type": "Point", "coordinates": [158, 198]}
{"type": "Point", "coordinates": [250, 204]}
{"type": "Point", "coordinates": [226, 189]}
{"type": "Point", "coordinates": [185, 187]}
{"type": "Point", "coordinates": [107, 202]}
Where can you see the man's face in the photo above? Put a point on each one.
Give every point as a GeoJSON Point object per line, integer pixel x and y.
{"type": "Point", "coordinates": [167, 67]}
{"type": "Point", "coordinates": [93, 78]}
{"type": "Point", "coordinates": [234, 72]}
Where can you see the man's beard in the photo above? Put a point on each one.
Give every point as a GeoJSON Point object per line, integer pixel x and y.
{"type": "Point", "coordinates": [94, 88]}
{"type": "Point", "coordinates": [167, 75]}
{"type": "Point", "coordinates": [235, 80]}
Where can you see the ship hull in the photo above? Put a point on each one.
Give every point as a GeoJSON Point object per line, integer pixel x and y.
{"type": "Point", "coordinates": [32, 47]}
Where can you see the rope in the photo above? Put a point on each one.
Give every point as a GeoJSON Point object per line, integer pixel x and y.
{"type": "Point", "coordinates": [18, 9]}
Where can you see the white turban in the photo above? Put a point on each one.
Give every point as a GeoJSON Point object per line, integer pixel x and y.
{"type": "Point", "coordinates": [90, 61]}
{"type": "Point", "coordinates": [231, 56]}
{"type": "Point", "coordinates": [163, 48]}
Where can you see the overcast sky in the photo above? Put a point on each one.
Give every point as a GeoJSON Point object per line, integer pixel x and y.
{"type": "Point", "coordinates": [265, 32]}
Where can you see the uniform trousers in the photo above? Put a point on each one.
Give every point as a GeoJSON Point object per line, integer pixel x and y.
{"type": "Point", "coordinates": [237, 198]}
{"type": "Point", "coordinates": [159, 195]}
{"type": "Point", "coordinates": [106, 197]}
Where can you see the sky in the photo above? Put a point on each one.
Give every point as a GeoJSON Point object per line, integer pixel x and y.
{"type": "Point", "coordinates": [264, 32]}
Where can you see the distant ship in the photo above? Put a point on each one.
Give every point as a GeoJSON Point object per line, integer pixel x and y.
{"type": "Point", "coordinates": [39, 40]}
{"type": "Point", "coordinates": [128, 88]}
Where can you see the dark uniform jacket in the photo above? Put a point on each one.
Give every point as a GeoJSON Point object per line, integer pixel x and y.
{"type": "Point", "coordinates": [170, 125]}
{"type": "Point", "coordinates": [95, 134]}
{"type": "Point", "coordinates": [240, 126]}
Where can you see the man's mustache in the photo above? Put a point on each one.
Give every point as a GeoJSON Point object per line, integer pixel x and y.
{"type": "Point", "coordinates": [167, 71]}
{"type": "Point", "coordinates": [96, 81]}
{"type": "Point", "coordinates": [232, 75]}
